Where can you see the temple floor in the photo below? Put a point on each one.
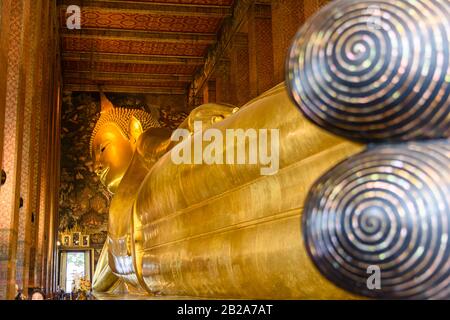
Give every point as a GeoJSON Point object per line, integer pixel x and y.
{"type": "Point", "coordinates": [127, 296]}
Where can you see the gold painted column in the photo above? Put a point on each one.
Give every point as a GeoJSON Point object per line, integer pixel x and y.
{"type": "Point", "coordinates": [48, 210]}
{"type": "Point", "coordinates": [28, 155]}
{"type": "Point", "coordinates": [53, 153]}
{"type": "Point", "coordinates": [35, 143]}
{"type": "Point", "coordinates": [44, 206]}
{"type": "Point", "coordinates": [30, 80]}
{"type": "Point", "coordinates": [12, 151]}
{"type": "Point", "coordinates": [5, 7]}
{"type": "Point", "coordinates": [40, 147]}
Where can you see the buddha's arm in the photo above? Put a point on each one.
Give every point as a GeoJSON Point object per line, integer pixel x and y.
{"type": "Point", "coordinates": [104, 278]}
{"type": "Point", "coordinates": [225, 230]}
{"type": "Point", "coordinates": [208, 114]}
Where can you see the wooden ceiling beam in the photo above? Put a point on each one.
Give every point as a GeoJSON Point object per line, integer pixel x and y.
{"type": "Point", "coordinates": [107, 76]}
{"type": "Point", "coordinates": [124, 89]}
{"type": "Point", "coordinates": [91, 33]}
{"type": "Point", "coordinates": [195, 10]}
{"type": "Point", "coordinates": [131, 58]}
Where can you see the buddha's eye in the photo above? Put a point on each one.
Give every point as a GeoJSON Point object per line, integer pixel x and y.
{"type": "Point", "coordinates": [103, 147]}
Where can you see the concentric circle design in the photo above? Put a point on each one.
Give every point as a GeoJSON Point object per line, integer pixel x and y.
{"type": "Point", "coordinates": [375, 70]}
{"type": "Point", "coordinates": [386, 208]}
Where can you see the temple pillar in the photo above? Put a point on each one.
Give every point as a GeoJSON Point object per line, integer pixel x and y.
{"type": "Point", "coordinates": [35, 164]}
{"type": "Point", "coordinates": [40, 145]}
{"type": "Point", "coordinates": [53, 153]}
{"type": "Point", "coordinates": [312, 6]}
{"type": "Point", "coordinates": [44, 185]}
{"type": "Point", "coordinates": [29, 143]}
{"type": "Point", "coordinates": [206, 92]}
{"type": "Point", "coordinates": [239, 69]}
{"type": "Point", "coordinates": [212, 91]}
{"type": "Point", "coordinates": [222, 78]}
{"type": "Point", "coordinates": [260, 41]}
{"type": "Point", "coordinates": [29, 158]}
{"type": "Point", "coordinates": [5, 8]}
{"type": "Point", "coordinates": [195, 97]}
{"type": "Point", "coordinates": [12, 151]}
{"type": "Point", "coordinates": [292, 14]}
{"type": "Point", "coordinates": [209, 91]}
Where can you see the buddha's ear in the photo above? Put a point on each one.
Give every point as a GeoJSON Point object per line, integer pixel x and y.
{"type": "Point", "coordinates": [135, 129]}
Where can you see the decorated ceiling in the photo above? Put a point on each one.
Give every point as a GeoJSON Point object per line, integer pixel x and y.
{"type": "Point", "coordinates": [151, 46]}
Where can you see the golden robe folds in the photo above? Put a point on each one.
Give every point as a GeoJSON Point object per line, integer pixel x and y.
{"type": "Point", "coordinates": [227, 231]}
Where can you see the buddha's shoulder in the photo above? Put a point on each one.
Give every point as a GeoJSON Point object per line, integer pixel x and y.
{"type": "Point", "coordinates": [152, 143]}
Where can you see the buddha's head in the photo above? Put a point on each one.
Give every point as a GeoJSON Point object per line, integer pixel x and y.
{"type": "Point", "coordinates": [114, 139]}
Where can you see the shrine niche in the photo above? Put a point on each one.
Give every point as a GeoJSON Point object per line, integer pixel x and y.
{"type": "Point", "coordinates": [76, 259]}
{"type": "Point", "coordinates": [75, 237]}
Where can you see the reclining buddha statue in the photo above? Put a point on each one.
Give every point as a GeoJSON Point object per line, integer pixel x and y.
{"type": "Point", "coordinates": [215, 230]}
{"type": "Point", "coordinates": [327, 209]}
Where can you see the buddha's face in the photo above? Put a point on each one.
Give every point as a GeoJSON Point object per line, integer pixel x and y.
{"type": "Point", "coordinates": [113, 152]}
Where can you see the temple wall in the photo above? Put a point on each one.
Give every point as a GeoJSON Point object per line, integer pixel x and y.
{"type": "Point", "coordinates": [254, 61]}
{"type": "Point", "coordinates": [29, 82]}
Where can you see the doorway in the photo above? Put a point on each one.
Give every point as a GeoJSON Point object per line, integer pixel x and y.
{"type": "Point", "coordinates": [74, 265]}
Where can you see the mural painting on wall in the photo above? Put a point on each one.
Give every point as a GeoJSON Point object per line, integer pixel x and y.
{"type": "Point", "coordinates": [83, 199]}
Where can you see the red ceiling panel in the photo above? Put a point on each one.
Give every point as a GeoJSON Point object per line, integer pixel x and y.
{"type": "Point", "coordinates": [198, 2]}
{"type": "Point", "coordinates": [133, 47]}
{"type": "Point", "coordinates": [127, 83]}
{"type": "Point", "coordinates": [128, 67]}
{"type": "Point", "coordinates": [129, 24]}
{"type": "Point", "coordinates": [97, 18]}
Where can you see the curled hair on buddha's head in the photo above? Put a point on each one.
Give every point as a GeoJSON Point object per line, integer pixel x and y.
{"type": "Point", "coordinates": [122, 117]}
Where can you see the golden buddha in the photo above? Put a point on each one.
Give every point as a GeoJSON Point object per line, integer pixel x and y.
{"type": "Point", "coordinates": [211, 230]}
{"type": "Point", "coordinates": [125, 144]}
{"type": "Point", "coordinates": [224, 229]}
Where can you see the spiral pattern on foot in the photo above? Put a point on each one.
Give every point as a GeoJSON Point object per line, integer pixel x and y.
{"type": "Point", "coordinates": [388, 207]}
{"type": "Point", "coordinates": [375, 70]}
